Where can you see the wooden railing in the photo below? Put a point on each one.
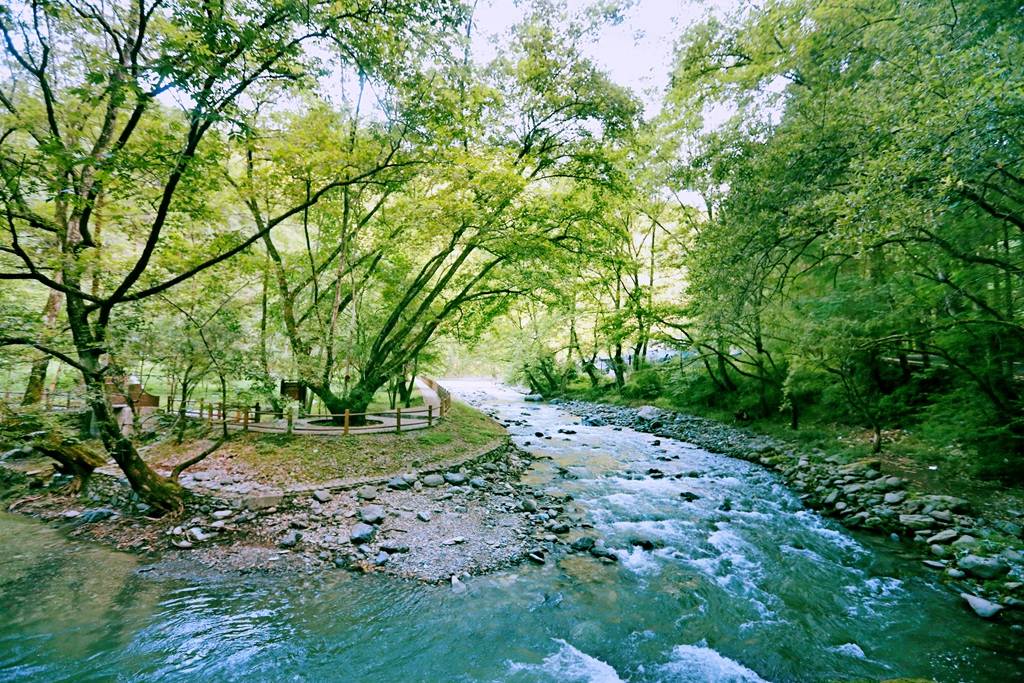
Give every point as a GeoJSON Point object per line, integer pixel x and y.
{"type": "Point", "coordinates": [255, 418]}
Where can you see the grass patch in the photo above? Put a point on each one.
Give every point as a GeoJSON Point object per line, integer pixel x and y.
{"type": "Point", "coordinates": [280, 460]}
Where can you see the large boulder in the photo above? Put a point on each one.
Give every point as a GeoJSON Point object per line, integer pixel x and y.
{"type": "Point", "coordinates": [984, 567]}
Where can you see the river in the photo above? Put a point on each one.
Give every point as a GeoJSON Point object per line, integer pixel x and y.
{"type": "Point", "coordinates": [756, 589]}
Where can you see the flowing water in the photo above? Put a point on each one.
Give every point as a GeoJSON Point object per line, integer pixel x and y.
{"type": "Point", "coordinates": [763, 591]}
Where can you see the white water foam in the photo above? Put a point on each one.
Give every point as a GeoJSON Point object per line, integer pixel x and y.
{"type": "Point", "coordinates": [571, 666]}
{"type": "Point", "coordinates": [849, 649]}
{"type": "Point", "coordinates": [700, 664]}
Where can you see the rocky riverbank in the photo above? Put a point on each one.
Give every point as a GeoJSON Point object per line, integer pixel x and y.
{"type": "Point", "coordinates": [430, 525]}
{"type": "Point", "coordinates": [980, 556]}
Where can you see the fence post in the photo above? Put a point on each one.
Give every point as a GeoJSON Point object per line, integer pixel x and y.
{"type": "Point", "coordinates": [398, 419]}
{"type": "Point", "coordinates": [245, 419]}
{"type": "Point", "coordinates": [209, 411]}
{"type": "Point", "coordinates": [201, 408]}
{"type": "Point", "coordinates": [291, 419]}
{"type": "Point", "coordinates": [345, 429]}
{"type": "Point", "coordinates": [430, 415]}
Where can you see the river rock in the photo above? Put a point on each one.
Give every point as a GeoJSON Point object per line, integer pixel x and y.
{"type": "Point", "coordinates": [362, 533]}
{"type": "Point", "coordinates": [371, 514]}
{"type": "Point", "coordinates": [917, 522]}
{"type": "Point", "coordinates": [197, 534]}
{"type": "Point", "coordinates": [965, 541]}
{"type": "Point", "coordinates": [593, 421]}
{"type": "Point", "coordinates": [455, 478]}
{"type": "Point", "coordinates": [528, 505]}
{"type": "Point", "coordinates": [263, 501]}
{"type": "Point", "coordinates": [944, 536]}
{"type": "Point", "coordinates": [322, 496]}
{"type": "Point", "coordinates": [533, 398]}
{"type": "Point", "coordinates": [433, 480]}
{"type": "Point", "coordinates": [399, 483]}
{"type": "Point", "coordinates": [648, 413]}
{"type": "Point", "coordinates": [582, 544]}
{"type": "Point", "coordinates": [478, 482]}
{"type": "Point", "coordinates": [689, 496]}
{"type": "Point", "coordinates": [95, 515]}
{"type": "Point", "coordinates": [366, 493]}
{"type": "Point", "coordinates": [944, 516]}
{"type": "Point", "coordinates": [982, 607]}
{"type": "Point", "coordinates": [983, 567]}
{"type": "Point", "coordinates": [290, 539]}
{"type": "Point", "coordinates": [895, 497]}
{"type": "Point", "coordinates": [222, 514]}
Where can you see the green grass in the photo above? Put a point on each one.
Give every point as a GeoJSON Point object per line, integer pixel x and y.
{"type": "Point", "coordinates": [279, 459]}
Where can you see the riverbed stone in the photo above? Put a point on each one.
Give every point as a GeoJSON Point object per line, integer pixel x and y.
{"type": "Point", "coordinates": [372, 514]}
{"type": "Point", "coordinates": [222, 514]}
{"type": "Point", "coordinates": [984, 567]}
{"type": "Point", "coordinates": [917, 522]}
{"type": "Point", "coordinates": [399, 483]}
{"type": "Point", "coordinates": [455, 478]}
{"type": "Point", "coordinates": [985, 609]}
{"type": "Point", "coordinates": [263, 501]}
{"type": "Point", "coordinates": [362, 533]}
{"type": "Point", "coordinates": [965, 541]}
{"type": "Point", "coordinates": [944, 536]}
{"type": "Point", "coordinates": [290, 539]}
{"type": "Point", "coordinates": [895, 497]}
{"type": "Point", "coordinates": [433, 480]}
{"type": "Point", "coordinates": [322, 496]}
{"type": "Point", "coordinates": [95, 515]}
{"type": "Point", "coordinates": [366, 493]}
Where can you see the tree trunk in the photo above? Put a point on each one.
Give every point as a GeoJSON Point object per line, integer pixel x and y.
{"type": "Point", "coordinates": [73, 457]}
{"type": "Point", "coordinates": [355, 401]}
{"type": "Point", "coordinates": [37, 376]}
{"type": "Point", "coordinates": [163, 494]}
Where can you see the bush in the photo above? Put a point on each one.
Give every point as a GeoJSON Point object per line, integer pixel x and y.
{"type": "Point", "coordinates": [643, 384]}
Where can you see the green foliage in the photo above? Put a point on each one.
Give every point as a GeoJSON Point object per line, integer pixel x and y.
{"type": "Point", "coordinates": [643, 384]}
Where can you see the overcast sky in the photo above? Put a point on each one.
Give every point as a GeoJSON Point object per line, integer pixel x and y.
{"type": "Point", "coordinates": [636, 53]}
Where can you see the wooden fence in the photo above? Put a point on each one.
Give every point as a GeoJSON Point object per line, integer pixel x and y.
{"type": "Point", "coordinates": [254, 418]}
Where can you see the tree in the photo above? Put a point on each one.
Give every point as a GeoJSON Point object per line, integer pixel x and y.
{"type": "Point", "coordinates": [87, 119]}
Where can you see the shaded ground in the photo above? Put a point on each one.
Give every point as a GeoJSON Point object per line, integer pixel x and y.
{"type": "Point", "coordinates": [280, 460]}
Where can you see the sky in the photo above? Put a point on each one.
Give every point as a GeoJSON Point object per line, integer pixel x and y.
{"type": "Point", "coordinates": [636, 53]}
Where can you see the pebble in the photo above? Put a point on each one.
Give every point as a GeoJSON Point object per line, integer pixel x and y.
{"type": "Point", "coordinates": [424, 516]}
